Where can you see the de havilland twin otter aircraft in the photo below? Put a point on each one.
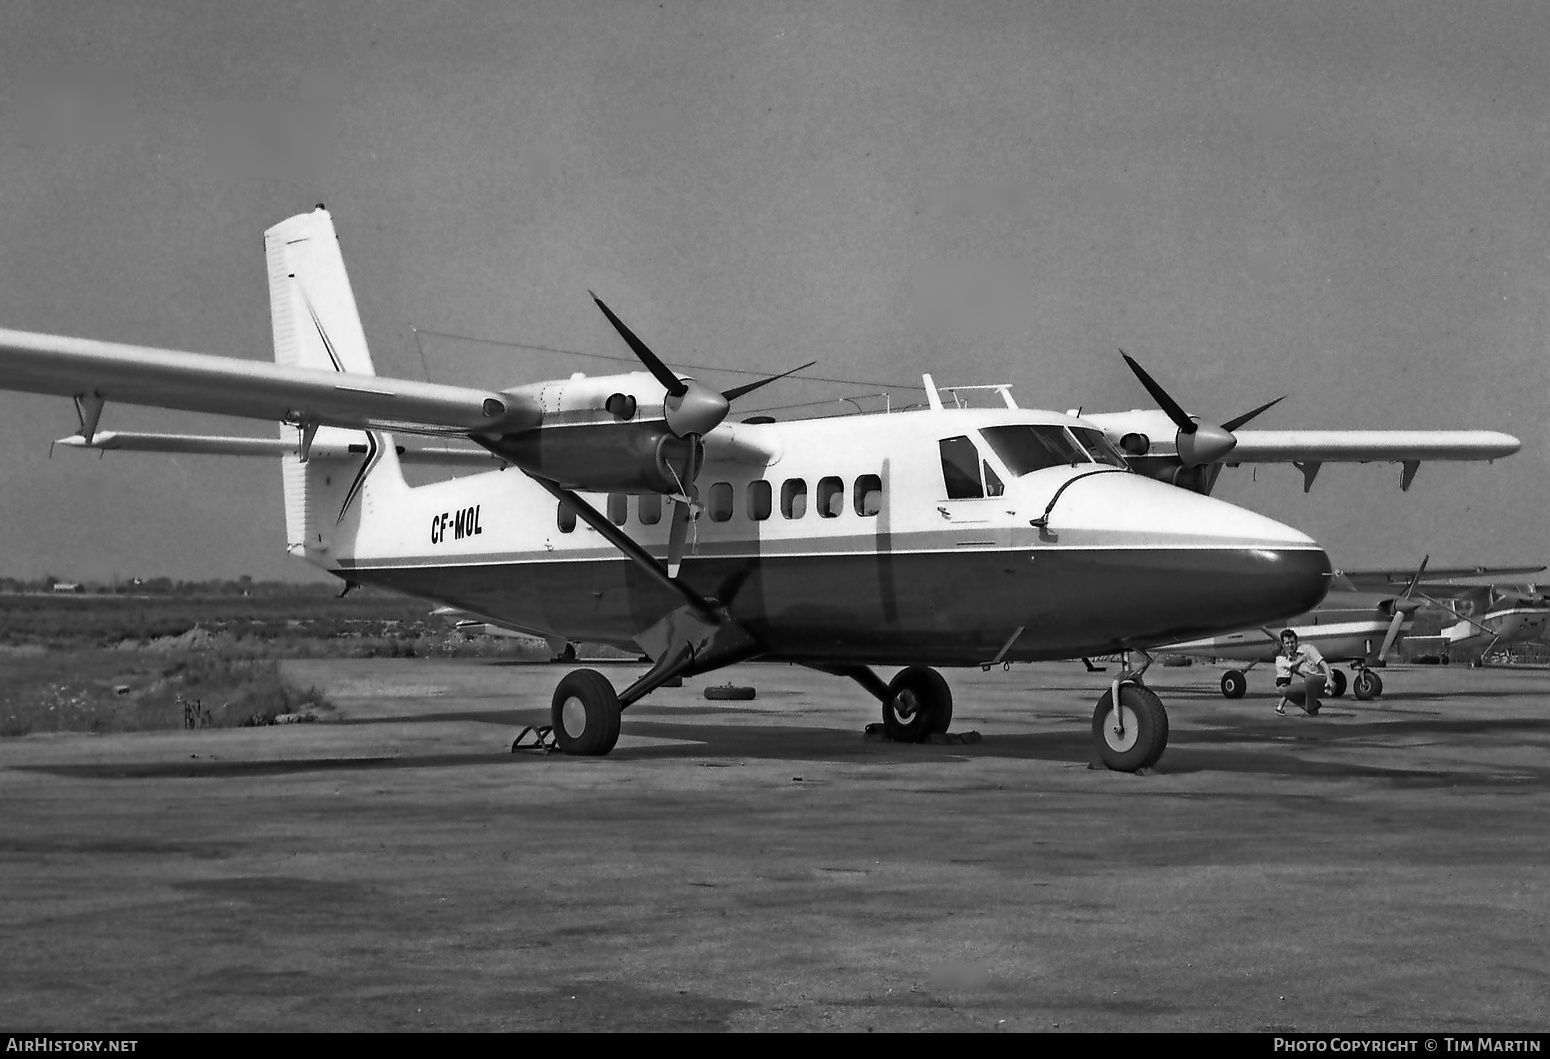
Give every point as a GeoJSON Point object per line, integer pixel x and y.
{"type": "Point", "coordinates": [626, 510]}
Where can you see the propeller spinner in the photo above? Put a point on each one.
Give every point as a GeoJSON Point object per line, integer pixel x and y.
{"type": "Point", "coordinates": [1198, 442]}
{"type": "Point", "coordinates": [690, 408]}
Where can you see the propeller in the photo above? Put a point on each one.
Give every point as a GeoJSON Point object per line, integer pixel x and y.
{"type": "Point", "coordinates": [1403, 606]}
{"type": "Point", "coordinates": [1198, 442]}
{"type": "Point", "coordinates": [690, 408]}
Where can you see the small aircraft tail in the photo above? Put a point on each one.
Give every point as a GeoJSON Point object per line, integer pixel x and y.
{"type": "Point", "coordinates": [340, 475]}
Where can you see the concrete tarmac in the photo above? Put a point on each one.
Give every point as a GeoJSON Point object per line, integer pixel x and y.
{"type": "Point", "coordinates": [760, 866]}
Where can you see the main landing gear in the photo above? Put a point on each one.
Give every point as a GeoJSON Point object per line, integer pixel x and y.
{"type": "Point", "coordinates": [919, 704]}
{"type": "Point", "coordinates": [585, 714]}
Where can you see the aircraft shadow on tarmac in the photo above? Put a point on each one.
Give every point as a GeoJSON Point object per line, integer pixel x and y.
{"type": "Point", "coordinates": [1273, 747]}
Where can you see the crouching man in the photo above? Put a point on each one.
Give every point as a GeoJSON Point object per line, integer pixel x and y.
{"type": "Point", "coordinates": [1302, 675]}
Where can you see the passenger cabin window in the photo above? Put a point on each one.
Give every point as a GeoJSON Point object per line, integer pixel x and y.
{"type": "Point", "coordinates": [868, 495]}
{"type": "Point", "coordinates": [1024, 447]}
{"type": "Point", "coordinates": [961, 469]}
{"type": "Point", "coordinates": [793, 498]}
{"type": "Point", "coordinates": [648, 509]}
{"type": "Point", "coordinates": [720, 502]}
{"type": "Point", "coordinates": [565, 518]}
{"type": "Point", "coordinates": [831, 497]}
{"type": "Point", "coordinates": [759, 500]}
{"type": "Point", "coordinates": [618, 508]}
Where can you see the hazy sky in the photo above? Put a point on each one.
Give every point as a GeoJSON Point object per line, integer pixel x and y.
{"type": "Point", "coordinates": [1345, 202]}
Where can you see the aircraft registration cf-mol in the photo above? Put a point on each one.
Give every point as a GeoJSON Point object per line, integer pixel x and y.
{"type": "Point", "coordinates": [625, 510]}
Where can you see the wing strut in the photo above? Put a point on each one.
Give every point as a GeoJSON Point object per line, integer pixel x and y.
{"type": "Point", "coordinates": [696, 637]}
{"type": "Point", "coordinates": [621, 540]}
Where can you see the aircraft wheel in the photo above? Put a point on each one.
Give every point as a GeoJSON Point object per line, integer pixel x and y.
{"type": "Point", "coordinates": [1137, 736]}
{"type": "Point", "coordinates": [585, 714]}
{"type": "Point", "coordinates": [1367, 685]}
{"type": "Point", "coordinates": [1338, 684]}
{"type": "Point", "coordinates": [919, 704]}
{"type": "Point", "coordinates": [1234, 684]}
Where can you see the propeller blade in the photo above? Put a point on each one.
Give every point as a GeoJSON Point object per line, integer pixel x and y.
{"type": "Point", "coordinates": [677, 536]}
{"type": "Point", "coordinates": [1180, 418]}
{"type": "Point", "coordinates": [674, 385]}
{"type": "Point", "coordinates": [749, 387]}
{"type": "Point", "coordinates": [1416, 577]}
{"type": "Point", "coordinates": [1234, 424]}
{"type": "Point", "coordinates": [1393, 633]}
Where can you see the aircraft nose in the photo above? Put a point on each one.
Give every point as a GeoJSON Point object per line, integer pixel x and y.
{"type": "Point", "coordinates": [1184, 563]}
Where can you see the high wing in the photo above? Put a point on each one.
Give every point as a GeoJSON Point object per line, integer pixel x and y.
{"type": "Point", "coordinates": [1438, 579]}
{"type": "Point", "coordinates": [1169, 444]}
{"type": "Point", "coordinates": [96, 372]}
{"type": "Point", "coordinates": [1149, 440]}
{"type": "Point", "coordinates": [1369, 446]}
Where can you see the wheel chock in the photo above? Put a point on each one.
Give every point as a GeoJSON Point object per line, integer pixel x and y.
{"type": "Point", "coordinates": [538, 738]}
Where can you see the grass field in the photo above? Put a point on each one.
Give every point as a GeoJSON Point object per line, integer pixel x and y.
{"type": "Point", "coordinates": [121, 662]}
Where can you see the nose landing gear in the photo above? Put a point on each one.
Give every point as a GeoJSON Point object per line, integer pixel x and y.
{"type": "Point", "coordinates": [1134, 735]}
{"type": "Point", "coordinates": [1367, 684]}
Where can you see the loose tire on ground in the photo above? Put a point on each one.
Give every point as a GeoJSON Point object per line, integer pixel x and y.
{"type": "Point", "coordinates": [1367, 685]}
{"type": "Point", "coordinates": [1234, 684]}
{"type": "Point", "coordinates": [1145, 730]}
{"type": "Point", "coordinates": [1338, 684]}
{"type": "Point", "coordinates": [919, 704]}
{"type": "Point", "coordinates": [729, 691]}
{"type": "Point", "coordinates": [585, 714]}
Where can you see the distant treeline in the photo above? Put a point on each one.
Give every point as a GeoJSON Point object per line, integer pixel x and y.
{"type": "Point", "coordinates": [166, 586]}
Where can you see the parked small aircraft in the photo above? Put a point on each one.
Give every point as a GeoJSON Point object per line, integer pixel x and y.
{"type": "Point", "coordinates": [1359, 628]}
{"type": "Point", "coordinates": [1492, 608]}
{"type": "Point", "coordinates": [628, 511]}
{"type": "Point", "coordinates": [1362, 620]}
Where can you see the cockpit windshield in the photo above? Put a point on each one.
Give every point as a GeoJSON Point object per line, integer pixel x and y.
{"type": "Point", "coordinates": [1025, 447]}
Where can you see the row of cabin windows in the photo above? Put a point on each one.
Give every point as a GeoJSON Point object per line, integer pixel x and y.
{"type": "Point", "coordinates": [866, 499]}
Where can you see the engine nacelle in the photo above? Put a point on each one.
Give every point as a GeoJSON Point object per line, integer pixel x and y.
{"type": "Point", "coordinates": [606, 457]}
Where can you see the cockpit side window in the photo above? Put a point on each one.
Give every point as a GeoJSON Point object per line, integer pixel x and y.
{"type": "Point", "coordinates": [1026, 447]}
{"type": "Point", "coordinates": [961, 469]}
{"type": "Point", "coordinates": [993, 486]}
{"type": "Point", "coordinates": [1099, 447]}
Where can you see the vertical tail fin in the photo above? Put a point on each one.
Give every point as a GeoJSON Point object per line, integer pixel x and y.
{"type": "Point", "coordinates": [311, 305]}
{"type": "Point", "coordinates": [317, 325]}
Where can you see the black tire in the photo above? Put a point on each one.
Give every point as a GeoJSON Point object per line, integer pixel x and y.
{"type": "Point", "coordinates": [1367, 685]}
{"type": "Point", "coordinates": [1234, 684]}
{"type": "Point", "coordinates": [585, 714]}
{"type": "Point", "coordinates": [919, 704]}
{"type": "Point", "coordinates": [1337, 683]}
{"type": "Point", "coordinates": [729, 691]}
{"type": "Point", "coordinates": [1145, 734]}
